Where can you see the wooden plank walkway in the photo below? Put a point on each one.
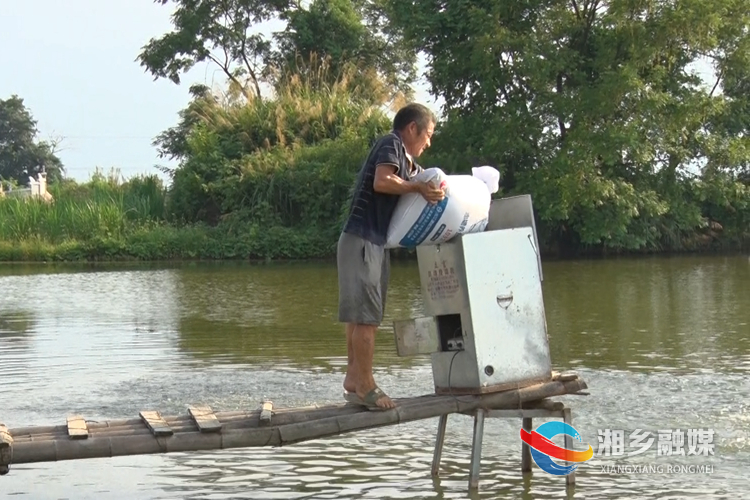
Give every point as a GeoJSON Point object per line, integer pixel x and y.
{"type": "Point", "coordinates": [204, 418]}
{"type": "Point", "coordinates": [202, 429]}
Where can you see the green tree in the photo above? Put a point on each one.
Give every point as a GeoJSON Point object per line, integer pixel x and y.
{"type": "Point", "coordinates": [221, 31]}
{"type": "Point", "coordinates": [346, 32]}
{"type": "Point", "coordinates": [256, 160]}
{"type": "Point", "coordinates": [21, 154]}
{"type": "Point", "coordinates": [226, 33]}
{"type": "Point", "coordinates": [592, 106]}
{"type": "Point", "coordinates": [172, 143]}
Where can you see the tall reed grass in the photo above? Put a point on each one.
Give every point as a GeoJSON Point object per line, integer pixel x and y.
{"type": "Point", "coordinates": [289, 161]}
{"type": "Point", "coordinates": [262, 178]}
{"type": "Point", "coordinates": [106, 206]}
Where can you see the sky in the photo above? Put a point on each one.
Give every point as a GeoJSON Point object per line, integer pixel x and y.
{"type": "Point", "coordinates": [74, 65]}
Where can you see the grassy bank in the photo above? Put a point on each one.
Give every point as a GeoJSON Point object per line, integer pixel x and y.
{"type": "Point", "coordinates": [164, 242]}
{"type": "Point", "coordinates": [198, 242]}
{"type": "Point", "coordinates": [107, 219]}
{"type": "Point", "coordinates": [264, 179]}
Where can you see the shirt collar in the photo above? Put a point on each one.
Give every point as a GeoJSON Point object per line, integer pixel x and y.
{"type": "Point", "coordinates": [414, 167]}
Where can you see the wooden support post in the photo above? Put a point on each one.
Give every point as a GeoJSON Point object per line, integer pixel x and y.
{"type": "Point", "coordinates": [570, 479]}
{"type": "Point", "coordinates": [204, 418]}
{"type": "Point", "coordinates": [266, 412]}
{"type": "Point", "coordinates": [6, 450]}
{"type": "Point", "coordinates": [439, 445]}
{"type": "Point", "coordinates": [525, 449]}
{"type": "Point", "coordinates": [476, 449]}
{"type": "Point", "coordinates": [158, 426]}
{"type": "Point", "coordinates": [533, 413]}
{"type": "Point", "coordinates": [77, 428]}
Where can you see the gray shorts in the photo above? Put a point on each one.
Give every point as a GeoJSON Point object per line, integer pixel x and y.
{"type": "Point", "coordinates": [363, 270]}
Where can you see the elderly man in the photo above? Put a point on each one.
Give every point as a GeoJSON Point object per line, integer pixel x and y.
{"type": "Point", "coordinates": [363, 261]}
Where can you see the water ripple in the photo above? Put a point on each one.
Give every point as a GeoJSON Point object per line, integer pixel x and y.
{"type": "Point", "coordinates": [108, 343]}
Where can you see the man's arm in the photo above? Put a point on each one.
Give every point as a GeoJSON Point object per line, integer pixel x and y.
{"type": "Point", "coordinates": [387, 182]}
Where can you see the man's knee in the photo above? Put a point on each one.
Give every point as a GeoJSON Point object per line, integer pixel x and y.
{"type": "Point", "coordinates": [363, 314]}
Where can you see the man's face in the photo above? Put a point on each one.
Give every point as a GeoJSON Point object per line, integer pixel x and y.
{"type": "Point", "coordinates": [416, 141]}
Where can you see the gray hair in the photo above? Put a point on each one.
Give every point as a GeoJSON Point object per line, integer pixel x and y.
{"type": "Point", "coordinates": [414, 112]}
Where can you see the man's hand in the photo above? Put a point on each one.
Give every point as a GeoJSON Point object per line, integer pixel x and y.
{"type": "Point", "coordinates": [430, 193]}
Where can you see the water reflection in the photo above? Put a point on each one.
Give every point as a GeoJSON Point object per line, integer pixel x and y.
{"type": "Point", "coordinates": [16, 329]}
{"type": "Point", "coordinates": [15, 324]}
{"type": "Point", "coordinates": [98, 325]}
{"type": "Point", "coordinates": [684, 313]}
{"type": "Point", "coordinates": [662, 343]}
{"type": "Point", "coordinates": [284, 314]}
{"type": "Point", "coordinates": [10, 269]}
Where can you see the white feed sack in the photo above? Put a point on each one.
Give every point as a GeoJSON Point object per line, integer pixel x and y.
{"type": "Point", "coordinates": [464, 209]}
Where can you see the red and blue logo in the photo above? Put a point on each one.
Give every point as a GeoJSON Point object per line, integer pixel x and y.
{"type": "Point", "coordinates": [543, 450]}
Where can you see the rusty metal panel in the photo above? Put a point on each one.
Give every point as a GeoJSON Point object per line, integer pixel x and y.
{"type": "Point", "coordinates": [416, 336]}
{"type": "Point", "coordinates": [441, 274]}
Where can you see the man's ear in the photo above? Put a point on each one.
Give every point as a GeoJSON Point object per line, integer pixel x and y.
{"type": "Point", "coordinates": [412, 129]}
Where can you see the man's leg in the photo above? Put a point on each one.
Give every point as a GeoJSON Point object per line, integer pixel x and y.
{"type": "Point", "coordinates": [350, 384]}
{"type": "Point", "coordinates": [363, 344]}
{"type": "Point", "coordinates": [363, 339]}
{"type": "Point", "coordinates": [360, 342]}
{"type": "Point", "coordinates": [361, 275]}
{"type": "Point", "coordinates": [347, 268]}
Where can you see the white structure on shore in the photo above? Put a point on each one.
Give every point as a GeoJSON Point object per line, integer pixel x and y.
{"type": "Point", "coordinates": [37, 188]}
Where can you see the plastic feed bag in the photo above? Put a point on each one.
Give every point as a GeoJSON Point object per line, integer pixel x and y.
{"type": "Point", "coordinates": [489, 175]}
{"type": "Point", "coordinates": [465, 208]}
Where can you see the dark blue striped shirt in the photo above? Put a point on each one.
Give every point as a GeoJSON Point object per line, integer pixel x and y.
{"type": "Point", "coordinates": [370, 212]}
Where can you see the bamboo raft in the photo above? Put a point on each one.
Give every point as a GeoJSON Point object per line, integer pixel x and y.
{"type": "Point", "coordinates": [202, 429]}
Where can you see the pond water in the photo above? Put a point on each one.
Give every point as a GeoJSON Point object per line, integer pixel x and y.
{"type": "Point", "coordinates": [663, 343]}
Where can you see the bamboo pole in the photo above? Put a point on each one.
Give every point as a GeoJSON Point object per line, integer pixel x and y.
{"type": "Point", "coordinates": [229, 420]}
{"type": "Point", "coordinates": [228, 416]}
{"type": "Point", "coordinates": [280, 434]}
{"type": "Point", "coordinates": [238, 420]}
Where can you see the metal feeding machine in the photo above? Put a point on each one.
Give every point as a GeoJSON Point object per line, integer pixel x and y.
{"type": "Point", "coordinates": [486, 329]}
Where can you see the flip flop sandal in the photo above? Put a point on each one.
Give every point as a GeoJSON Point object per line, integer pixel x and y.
{"type": "Point", "coordinates": [352, 398]}
{"type": "Point", "coordinates": [371, 398]}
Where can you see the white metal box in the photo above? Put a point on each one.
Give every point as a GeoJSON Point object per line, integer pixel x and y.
{"type": "Point", "coordinates": [486, 329]}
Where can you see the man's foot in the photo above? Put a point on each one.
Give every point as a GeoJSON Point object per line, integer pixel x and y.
{"type": "Point", "coordinates": [376, 399]}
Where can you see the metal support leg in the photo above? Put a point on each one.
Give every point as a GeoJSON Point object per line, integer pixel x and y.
{"type": "Point", "coordinates": [476, 449]}
{"type": "Point", "coordinates": [570, 479]}
{"type": "Point", "coordinates": [525, 449]}
{"type": "Point", "coordinates": [439, 445]}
